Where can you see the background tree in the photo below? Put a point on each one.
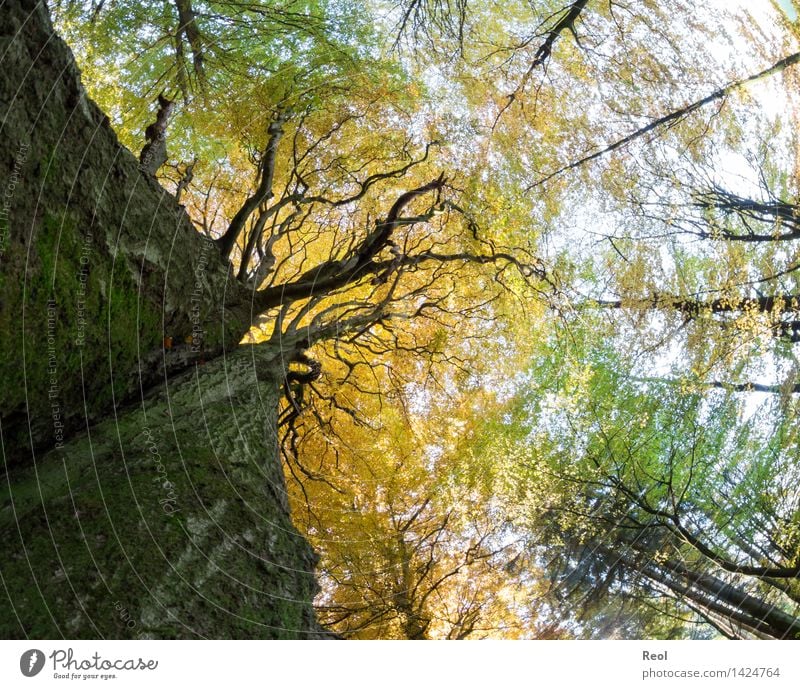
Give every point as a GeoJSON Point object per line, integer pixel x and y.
{"type": "Point", "coordinates": [683, 504]}
{"type": "Point", "coordinates": [413, 542]}
{"type": "Point", "coordinates": [353, 244]}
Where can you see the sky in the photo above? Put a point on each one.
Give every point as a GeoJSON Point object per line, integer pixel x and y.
{"type": "Point", "coordinates": [786, 6]}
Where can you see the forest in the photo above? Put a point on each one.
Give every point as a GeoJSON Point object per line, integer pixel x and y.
{"type": "Point", "coordinates": [400, 319]}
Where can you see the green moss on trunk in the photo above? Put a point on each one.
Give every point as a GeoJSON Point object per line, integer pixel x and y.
{"type": "Point", "coordinates": [155, 525]}
{"type": "Point", "coordinates": [98, 264]}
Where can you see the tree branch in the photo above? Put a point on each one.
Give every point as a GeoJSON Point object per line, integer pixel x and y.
{"type": "Point", "coordinates": [264, 191]}
{"type": "Point", "coordinates": [672, 117]}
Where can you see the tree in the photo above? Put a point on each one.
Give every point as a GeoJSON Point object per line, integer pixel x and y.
{"type": "Point", "coordinates": [392, 211]}
{"type": "Point", "coordinates": [411, 540]}
{"type": "Point", "coordinates": [675, 502]}
{"type": "Point", "coordinates": [119, 530]}
{"type": "Point", "coordinates": [120, 294]}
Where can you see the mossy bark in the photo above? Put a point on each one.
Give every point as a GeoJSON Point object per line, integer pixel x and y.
{"type": "Point", "coordinates": [169, 520]}
{"type": "Point", "coordinates": [99, 265]}
{"type": "Point", "coordinates": [142, 493]}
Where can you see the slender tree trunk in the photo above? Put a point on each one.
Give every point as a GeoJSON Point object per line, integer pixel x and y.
{"type": "Point", "coordinates": [704, 590]}
{"type": "Point", "coordinates": [188, 27]}
{"type": "Point", "coordinates": [674, 116]}
{"type": "Point", "coordinates": [773, 303]}
{"type": "Point", "coordinates": [707, 589]}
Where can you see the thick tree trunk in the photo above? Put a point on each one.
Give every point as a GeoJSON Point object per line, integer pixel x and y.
{"type": "Point", "coordinates": [99, 265]}
{"type": "Point", "coordinates": [130, 506]}
{"type": "Point", "coordinates": [169, 520]}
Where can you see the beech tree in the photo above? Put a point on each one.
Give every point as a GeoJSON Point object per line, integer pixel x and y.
{"type": "Point", "coordinates": [333, 243]}
{"type": "Point", "coordinates": [476, 277]}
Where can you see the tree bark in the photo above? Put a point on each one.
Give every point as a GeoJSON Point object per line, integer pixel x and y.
{"type": "Point", "coordinates": [137, 501]}
{"type": "Point", "coordinates": [169, 520]}
{"type": "Point", "coordinates": [100, 268]}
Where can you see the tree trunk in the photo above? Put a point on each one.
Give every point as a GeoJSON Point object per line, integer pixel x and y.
{"type": "Point", "coordinates": [169, 520]}
{"type": "Point", "coordinates": [99, 265]}
{"type": "Point", "coordinates": [131, 506]}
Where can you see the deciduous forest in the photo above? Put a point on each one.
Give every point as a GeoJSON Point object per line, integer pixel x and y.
{"type": "Point", "coordinates": [400, 319]}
